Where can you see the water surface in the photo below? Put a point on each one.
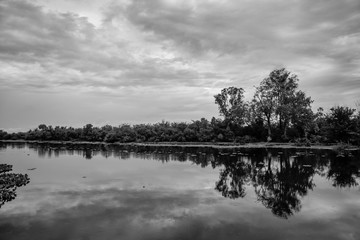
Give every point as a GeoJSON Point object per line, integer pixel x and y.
{"type": "Point", "coordinates": [128, 192]}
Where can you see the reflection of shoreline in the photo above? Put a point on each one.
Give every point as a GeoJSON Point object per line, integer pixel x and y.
{"type": "Point", "coordinates": [190, 144]}
{"type": "Point", "coordinates": [279, 177]}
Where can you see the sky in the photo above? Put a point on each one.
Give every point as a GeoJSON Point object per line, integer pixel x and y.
{"type": "Point", "coordinates": [74, 62]}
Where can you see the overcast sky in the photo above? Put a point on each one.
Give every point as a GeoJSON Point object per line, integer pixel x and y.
{"type": "Point", "coordinates": [73, 62]}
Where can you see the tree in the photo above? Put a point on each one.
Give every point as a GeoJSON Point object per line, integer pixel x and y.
{"type": "Point", "coordinates": [280, 103]}
{"type": "Point", "coordinates": [3, 134]}
{"type": "Point", "coordinates": [42, 127]}
{"type": "Point", "coordinates": [232, 105]}
{"type": "Point", "coordinates": [264, 103]}
{"type": "Point", "coordinates": [302, 116]}
{"type": "Point", "coordinates": [356, 135]}
{"type": "Point", "coordinates": [87, 132]}
{"type": "Point", "coordinates": [341, 123]}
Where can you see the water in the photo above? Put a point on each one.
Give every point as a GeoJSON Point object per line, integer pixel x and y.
{"type": "Point", "coordinates": [112, 192]}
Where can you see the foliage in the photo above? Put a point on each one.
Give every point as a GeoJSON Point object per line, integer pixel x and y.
{"type": "Point", "coordinates": [231, 104]}
{"type": "Point", "coordinates": [278, 101]}
{"type": "Point", "coordinates": [302, 142]}
{"type": "Point", "coordinates": [278, 111]}
{"type": "Point", "coordinates": [340, 123]}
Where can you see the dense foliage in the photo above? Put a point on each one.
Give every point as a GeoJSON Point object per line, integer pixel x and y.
{"type": "Point", "coordinates": [278, 112]}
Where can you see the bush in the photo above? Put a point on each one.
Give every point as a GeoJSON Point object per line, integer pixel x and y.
{"type": "Point", "coordinates": [245, 139]}
{"type": "Point", "coordinates": [302, 142]}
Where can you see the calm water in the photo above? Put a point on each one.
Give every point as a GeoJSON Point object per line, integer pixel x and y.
{"type": "Point", "coordinates": [98, 192]}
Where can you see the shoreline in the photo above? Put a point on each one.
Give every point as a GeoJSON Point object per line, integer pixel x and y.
{"type": "Point", "coordinates": [193, 144]}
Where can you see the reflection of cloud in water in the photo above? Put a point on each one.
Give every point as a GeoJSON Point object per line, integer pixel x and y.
{"type": "Point", "coordinates": [138, 200]}
{"type": "Point", "coordinates": [156, 214]}
{"type": "Point", "coordinates": [123, 213]}
{"type": "Point", "coordinates": [130, 196]}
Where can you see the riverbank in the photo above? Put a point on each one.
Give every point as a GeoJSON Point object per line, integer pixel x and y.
{"type": "Point", "coordinates": [196, 144]}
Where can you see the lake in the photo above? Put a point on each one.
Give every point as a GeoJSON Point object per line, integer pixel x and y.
{"type": "Point", "coordinates": [141, 192]}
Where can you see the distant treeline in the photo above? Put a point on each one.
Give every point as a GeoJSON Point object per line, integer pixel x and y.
{"type": "Point", "coordinates": [278, 112]}
{"type": "Point", "coordinates": [339, 125]}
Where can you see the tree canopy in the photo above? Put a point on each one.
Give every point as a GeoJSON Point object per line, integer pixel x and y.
{"type": "Point", "coordinates": [281, 104]}
{"type": "Point", "coordinates": [232, 105]}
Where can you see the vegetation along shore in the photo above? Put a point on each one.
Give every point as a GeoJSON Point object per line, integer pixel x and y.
{"type": "Point", "coordinates": [278, 113]}
{"type": "Point", "coordinates": [270, 145]}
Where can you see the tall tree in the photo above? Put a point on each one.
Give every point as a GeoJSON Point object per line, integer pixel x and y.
{"type": "Point", "coordinates": [302, 116]}
{"type": "Point", "coordinates": [279, 101]}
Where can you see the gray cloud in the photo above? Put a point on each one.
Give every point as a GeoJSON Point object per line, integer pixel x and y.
{"type": "Point", "coordinates": [27, 29]}
{"type": "Point", "coordinates": [257, 37]}
{"type": "Point", "coordinates": [227, 27]}
{"type": "Point", "coordinates": [174, 46]}
{"type": "Point", "coordinates": [67, 50]}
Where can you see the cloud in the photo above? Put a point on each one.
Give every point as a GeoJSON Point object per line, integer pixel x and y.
{"type": "Point", "coordinates": [130, 47]}
{"type": "Point", "coordinates": [243, 26]}
{"type": "Point", "coordinates": [256, 36]}
{"type": "Point", "coordinates": [45, 49]}
{"type": "Point", "coordinates": [174, 43]}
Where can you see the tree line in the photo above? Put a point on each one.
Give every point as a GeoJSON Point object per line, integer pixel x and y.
{"type": "Point", "coordinates": [278, 111]}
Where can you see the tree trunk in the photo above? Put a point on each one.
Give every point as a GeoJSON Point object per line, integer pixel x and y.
{"type": "Point", "coordinates": [269, 128]}
{"type": "Point", "coordinates": [280, 122]}
{"type": "Point", "coordinates": [285, 130]}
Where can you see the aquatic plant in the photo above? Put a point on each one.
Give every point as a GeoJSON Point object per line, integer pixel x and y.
{"type": "Point", "coordinates": [9, 183]}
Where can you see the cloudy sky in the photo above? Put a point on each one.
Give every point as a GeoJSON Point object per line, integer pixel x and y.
{"type": "Point", "coordinates": [73, 62]}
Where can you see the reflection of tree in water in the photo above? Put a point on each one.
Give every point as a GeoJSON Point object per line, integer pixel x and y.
{"type": "Point", "coordinates": [279, 181]}
{"type": "Point", "coordinates": [3, 145]}
{"type": "Point", "coordinates": [233, 178]}
{"type": "Point", "coordinates": [9, 182]}
{"type": "Point", "coordinates": [280, 186]}
{"type": "Point", "coordinates": [344, 170]}
{"type": "Point", "coordinates": [87, 153]}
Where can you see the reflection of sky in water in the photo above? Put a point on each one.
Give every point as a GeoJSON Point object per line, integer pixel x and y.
{"type": "Point", "coordinates": [146, 199]}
